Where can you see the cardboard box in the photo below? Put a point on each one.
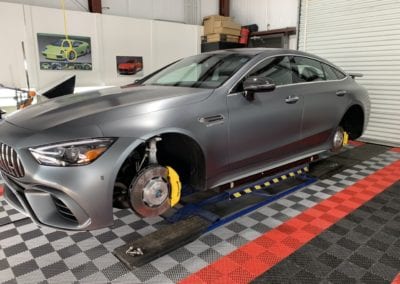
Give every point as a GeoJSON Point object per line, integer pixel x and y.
{"type": "Point", "coordinates": [221, 37]}
{"type": "Point", "coordinates": [227, 24]}
{"type": "Point", "coordinates": [214, 24]}
{"type": "Point", "coordinates": [227, 31]}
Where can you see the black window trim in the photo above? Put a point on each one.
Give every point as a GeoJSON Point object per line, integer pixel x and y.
{"type": "Point", "coordinates": [290, 55]}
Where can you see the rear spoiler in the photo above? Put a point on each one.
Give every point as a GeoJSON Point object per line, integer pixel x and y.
{"type": "Point", "coordinates": [354, 75]}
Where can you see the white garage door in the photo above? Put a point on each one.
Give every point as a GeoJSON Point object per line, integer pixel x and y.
{"type": "Point", "coordinates": [361, 36]}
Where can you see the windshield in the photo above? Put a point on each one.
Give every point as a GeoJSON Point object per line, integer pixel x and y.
{"type": "Point", "coordinates": [59, 42]}
{"type": "Point", "coordinates": [200, 71]}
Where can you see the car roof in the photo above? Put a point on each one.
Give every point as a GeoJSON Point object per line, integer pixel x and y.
{"type": "Point", "coordinates": [269, 52]}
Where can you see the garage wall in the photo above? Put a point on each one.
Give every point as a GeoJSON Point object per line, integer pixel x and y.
{"type": "Point", "coordinates": [132, 41]}
{"type": "Point", "coordinates": [168, 10]}
{"type": "Point", "coordinates": [75, 5]}
{"type": "Point", "coordinates": [180, 41]}
{"type": "Point", "coordinates": [45, 20]}
{"type": "Point", "coordinates": [12, 64]}
{"type": "Point", "coordinates": [267, 14]}
{"type": "Point", "coordinates": [158, 42]}
{"type": "Point", "coordinates": [361, 36]}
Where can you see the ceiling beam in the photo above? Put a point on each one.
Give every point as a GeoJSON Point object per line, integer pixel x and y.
{"type": "Point", "coordinates": [224, 8]}
{"type": "Point", "coordinates": [95, 6]}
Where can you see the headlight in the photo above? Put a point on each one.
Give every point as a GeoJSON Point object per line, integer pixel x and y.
{"type": "Point", "coordinates": [73, 153]}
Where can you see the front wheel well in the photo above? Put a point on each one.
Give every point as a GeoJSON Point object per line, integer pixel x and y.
{"type": "Point", "coordinates": [176, 150]}
{"type": "Point", "coordinates": [183, 154]}
{"type": "Point", "coordinates": [353, 121]}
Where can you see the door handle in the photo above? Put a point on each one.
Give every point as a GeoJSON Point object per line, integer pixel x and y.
{"type": "Point", "coordinates": [341, 93]}
{"type": "Point", "coordinates": [291, 99]}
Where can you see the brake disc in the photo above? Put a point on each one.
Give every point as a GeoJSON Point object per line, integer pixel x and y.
{"type": "Point", "coordinates": [338, 139]}
{"type": "Point", "coordinates": [150, 191]}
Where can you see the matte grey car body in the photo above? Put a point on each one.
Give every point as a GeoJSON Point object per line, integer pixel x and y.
{"type": "Point", "coordinates": [234, 136]}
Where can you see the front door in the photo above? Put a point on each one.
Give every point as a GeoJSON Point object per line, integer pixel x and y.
{"type": "Point", "coordinates": [266, 129]}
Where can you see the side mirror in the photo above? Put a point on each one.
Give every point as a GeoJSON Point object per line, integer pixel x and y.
{"type": "Point", "coordinates": [253, 85]}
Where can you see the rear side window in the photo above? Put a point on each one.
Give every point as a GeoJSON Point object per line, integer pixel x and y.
{"type": "Point", "coordinates": [332, 73]}
{"type": "Point", "coordinates": [276, 69]}
{"type": "Point", "coordinates": [307, 70]}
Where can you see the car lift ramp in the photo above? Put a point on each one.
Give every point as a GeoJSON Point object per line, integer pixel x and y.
{"type": "Point", "coordinates": [193, 219]}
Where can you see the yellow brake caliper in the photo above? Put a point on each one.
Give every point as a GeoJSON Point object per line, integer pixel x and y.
{"type": "Point", "coordinates": [176, 186]}
{"type": "Point", "coordinates": [345, 138]}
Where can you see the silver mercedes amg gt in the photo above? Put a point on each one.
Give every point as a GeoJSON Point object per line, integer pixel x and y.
{"type": "Point", "coordinates": [202, 122]}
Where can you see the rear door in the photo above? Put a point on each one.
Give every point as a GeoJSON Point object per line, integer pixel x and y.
{"type": "Point", "coordinates": [325, 99]}
{"type": "Point", "coordinates": [267, 128]}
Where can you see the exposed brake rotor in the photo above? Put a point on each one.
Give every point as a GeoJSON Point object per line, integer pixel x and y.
{"type": "Point", "coordinates": [150, 191]}
{"type": "Point", "coordinates": [338, 139]}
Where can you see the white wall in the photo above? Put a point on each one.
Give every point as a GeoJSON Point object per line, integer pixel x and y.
{"type": "Point", "coordinates": [12, 33]}
{"type": "Point", "coordinates": [267, 14]}
{"type": "Point", "coordinates": [132, 39]}
{"type": "Point", "coordinates": [174, 38]}
{"type": "Point", "coordinates": [75, 5]}
{"type": "Point", "coordinates": [168, 10]}
{"type": "Point", "coordinates": [282, 13]}
{"type": "Point", "coordinates": [171, 10]}
{"type": "Point", "coordinates": [158, 42]}
{"type": "Point", "coordinates": [78, 24]}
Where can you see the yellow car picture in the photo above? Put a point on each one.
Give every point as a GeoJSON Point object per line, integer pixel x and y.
{"type": "Point", "coordinates": [58, 50]}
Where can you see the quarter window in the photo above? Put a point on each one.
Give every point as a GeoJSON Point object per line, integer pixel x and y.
{"type": "Point", "coordinates": [307, 70]}
{"type": "Point", "coordinates": [332, 73]}
{"type": "Point", "coordinates": [339, 74]}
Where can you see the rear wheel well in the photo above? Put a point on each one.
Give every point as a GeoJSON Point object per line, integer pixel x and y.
{"type": "Point", "coordinates": [353, 122]}
{"type": "Point", "coordinates": [178, 151]}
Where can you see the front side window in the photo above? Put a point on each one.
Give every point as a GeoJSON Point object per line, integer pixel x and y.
{"type": "Point", "coordinates": [200, 71]}
{"type": "Point", "coordinates": [307, 70]}
{"type": "Point", "coordinates": [275, 69]}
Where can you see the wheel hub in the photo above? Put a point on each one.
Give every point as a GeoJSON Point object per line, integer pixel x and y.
{"type": "Point", "coordinates": [155, 192]}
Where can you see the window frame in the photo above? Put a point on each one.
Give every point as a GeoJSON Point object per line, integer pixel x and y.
{"type": "Point", "coordinates": [290, 55]}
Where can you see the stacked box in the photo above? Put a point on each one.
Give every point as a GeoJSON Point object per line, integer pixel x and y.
{"type": "Point", "coordinates": [220, 28]}
{"type": "Point", "coordinates": [220, 37]}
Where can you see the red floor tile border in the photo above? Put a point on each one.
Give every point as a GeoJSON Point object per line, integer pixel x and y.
{"type": "Point", "coordinates": [258, 256]}
{"type": "Point", "coordinates": [356, 143]}
{"type": "Point", "coordinates": [1, 190]}
{"type": "Point", "coordinates": [396, 149]}
{"type": "Point", "coordinates": [397, 279]}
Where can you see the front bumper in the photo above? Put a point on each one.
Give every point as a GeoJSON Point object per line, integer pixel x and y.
{"type": "Point", "coordinates": [53, 56]}
{"type": "Point", "coordinates": [69, 198]}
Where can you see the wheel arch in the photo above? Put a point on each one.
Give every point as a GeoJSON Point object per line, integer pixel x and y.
{"type": "Point", "coordinates": [178, 149]}
{"type": "Point", "coordinates": [353, 120]}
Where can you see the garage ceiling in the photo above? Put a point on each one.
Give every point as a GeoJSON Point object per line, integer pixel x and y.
{"type": "Point", "coordinates": [361, 36]}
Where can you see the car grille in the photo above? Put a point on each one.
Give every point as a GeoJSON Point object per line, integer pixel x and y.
{"type": "Point", "coordinates": [64, 210]}
{"type": "Point", "coordinates": [9, 161]}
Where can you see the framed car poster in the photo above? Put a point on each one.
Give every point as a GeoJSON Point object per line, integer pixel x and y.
{"type": "Point", "coordinates": [129, 65]}
{"type": "Point", "coordinates": [58, 52]}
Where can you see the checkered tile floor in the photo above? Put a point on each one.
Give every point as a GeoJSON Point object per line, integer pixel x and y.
{"type": "Point", "coordinates": [32, 254]}
{"type": "Point", "coordinates": [362, 247]}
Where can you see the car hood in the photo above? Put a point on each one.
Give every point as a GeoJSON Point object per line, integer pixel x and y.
{"type": "Point", "coordinates": [103, 105]}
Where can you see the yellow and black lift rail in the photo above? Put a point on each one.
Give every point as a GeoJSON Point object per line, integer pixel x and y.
{"type": "Point", "coordinates": [269, 182]}
{"type": "Point", "coordinates": [194, 219]}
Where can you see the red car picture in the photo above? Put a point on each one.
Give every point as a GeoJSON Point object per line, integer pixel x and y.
{"type": "Point", "coordinates": [129, 66]}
